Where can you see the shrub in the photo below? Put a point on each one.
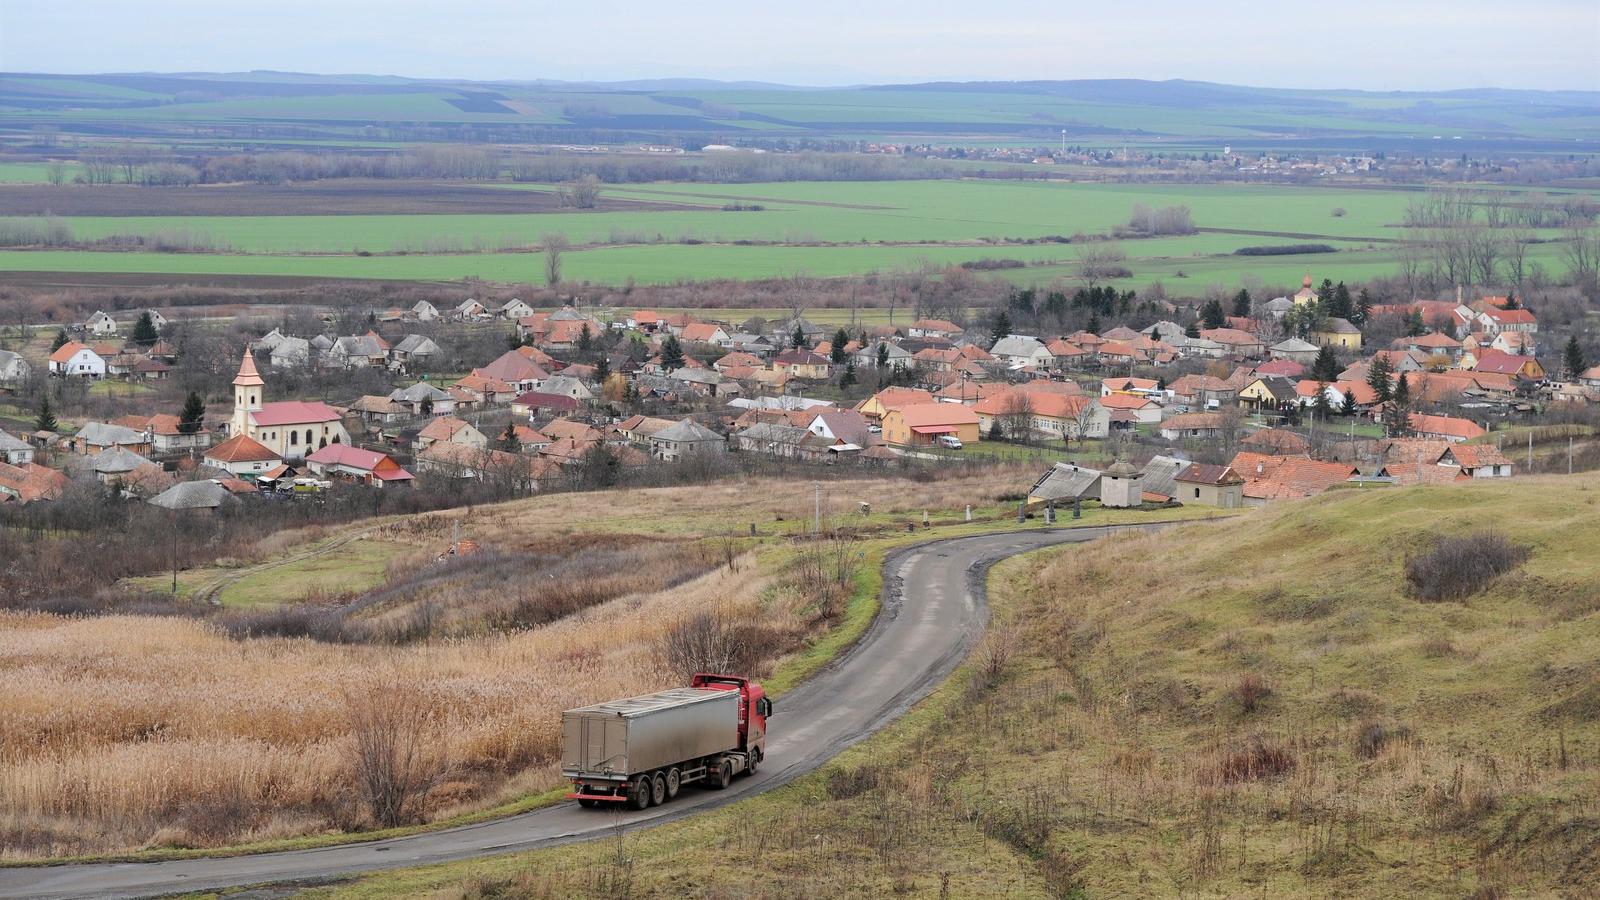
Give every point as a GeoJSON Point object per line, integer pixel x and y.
{"type": "Point", "coordinates": [1283, 250]}
{"type": "Point", "coordinates": [1250, 691]}
{"type": "Point", "coordinates": [1458, 567]}
{"type": "Point", "coordinates": [1372, 737]}
{"type": "Point", "coordinates": [1259, 760]}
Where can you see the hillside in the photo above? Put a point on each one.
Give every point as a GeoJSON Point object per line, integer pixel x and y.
{"type": "Point", "coordinates": [311, 107]}
{"type": "Point", "coordinates": [1255, 707]}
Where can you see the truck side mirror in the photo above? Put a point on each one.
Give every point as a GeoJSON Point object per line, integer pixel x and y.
{"type": "Point", "coordinates": [764, 707]}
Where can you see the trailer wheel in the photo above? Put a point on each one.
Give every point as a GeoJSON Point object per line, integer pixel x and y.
{"type": "Point", "coordinates": [724, 775]}
{"type": "Point", "coordinates": [639, 797]}
{"type": "Point", "coordinates": [658, 789]}
{"type": "Point", "coordinates": [586, 803]}
{"type": "Point", "coordinates": [674, 782]}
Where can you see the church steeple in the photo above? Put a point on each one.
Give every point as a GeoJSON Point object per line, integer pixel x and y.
{"type": "Point", "coordinates": [248, 390]}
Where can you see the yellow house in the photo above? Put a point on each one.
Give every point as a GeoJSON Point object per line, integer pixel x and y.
{"type": "Point", "coordinates": [874, 407]}
{"type": "Point", "coordinates": [1338, 333]}
{"type": "Point", "coordinates": [925, 423]}
{"type": "Point", "coordinates": [803, 364]}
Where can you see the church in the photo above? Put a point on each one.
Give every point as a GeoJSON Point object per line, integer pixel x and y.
{"type": "Point", "coordinates": [291, 428]}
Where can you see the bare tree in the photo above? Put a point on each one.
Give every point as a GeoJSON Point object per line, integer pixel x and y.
{"type": "Point", "coordinates": [553, 245]}
{"type": "Point", "coordinates": [582, 193]}
{"type": "Point", "coordinates": [393, 766]}
{"type": "Point", "coordinates": [1016, 416]}
{"type": "Point", "coordinates": [1581, 254]}
{"type": "Point", "coordinates": [1100, 260]}
{"type": "Point", "coordinates": [56, 171]}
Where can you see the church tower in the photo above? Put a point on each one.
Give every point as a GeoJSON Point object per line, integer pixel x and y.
{"type": "Point", "coordinates": [248, 391]}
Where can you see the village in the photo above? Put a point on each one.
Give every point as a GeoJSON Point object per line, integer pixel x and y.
{"type": "Point", "coordinates": [1235, 407]}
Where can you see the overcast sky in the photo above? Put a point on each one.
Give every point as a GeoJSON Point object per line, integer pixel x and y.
{"type": "Point", "coordinates": [1372, 44]}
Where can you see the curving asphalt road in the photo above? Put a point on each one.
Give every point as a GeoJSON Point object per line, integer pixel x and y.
{"type": "Point", "coordinates": [934, 610]}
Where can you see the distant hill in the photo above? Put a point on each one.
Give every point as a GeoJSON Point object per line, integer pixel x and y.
{"type": "Point", "coordinates": [278, 104]}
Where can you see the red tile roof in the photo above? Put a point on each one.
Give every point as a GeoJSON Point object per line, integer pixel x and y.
{"type": "Point", "coordinates": [1286, 477]}
{"type": "Point", "coordinates": [241, 448]}
{"type": "Point", "coordinates": [1450, 426]}
{"type": "Point", "coordinates": [379, 464]}
{"type": "Point", "coordinates": [67, 351]}
{"type": "Point", "coordinates": [294, 412]}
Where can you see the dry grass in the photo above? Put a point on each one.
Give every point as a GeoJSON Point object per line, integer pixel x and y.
{"type": "Point", "coordinates": [112, 730]}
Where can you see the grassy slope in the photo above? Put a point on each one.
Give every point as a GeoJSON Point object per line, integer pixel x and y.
{"type": "Point", "coordinates": [1091, 766]}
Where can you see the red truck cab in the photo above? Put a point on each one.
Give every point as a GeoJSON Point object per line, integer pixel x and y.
{"type": "Point", "coordinates": [754, 707]}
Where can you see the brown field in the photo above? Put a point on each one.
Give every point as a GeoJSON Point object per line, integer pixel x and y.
{"type": "Point", "coordinates": [333, 197]}
{"type": "Point", "coordinates": [126, 732]}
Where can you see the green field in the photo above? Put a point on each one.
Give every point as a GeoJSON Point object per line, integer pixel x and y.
{"type": "Point", "coordinates": [805, 228]}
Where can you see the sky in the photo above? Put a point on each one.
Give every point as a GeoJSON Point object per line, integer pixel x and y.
{"type": "Point", "coordinates": [1365, 44]}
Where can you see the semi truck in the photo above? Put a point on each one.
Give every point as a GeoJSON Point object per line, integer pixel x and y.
{"type": "Point", "coordinates": [642, 750]}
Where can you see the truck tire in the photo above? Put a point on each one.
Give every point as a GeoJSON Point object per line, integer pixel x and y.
{"type": "Point", "coordinates": [723, 776]}
{"type": "Point", "coordinates": [658, 789]}
{"type": "Point", "coordinates": [674, 782]}
{"type": "Point", "coordinates": [639, 797]}
{"type": "Point", "coordinates": [586, 803]}
{"type": "Point", "coordinates": [753, 763]}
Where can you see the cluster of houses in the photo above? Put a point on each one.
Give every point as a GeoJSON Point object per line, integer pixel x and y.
{"type": "Point", "coordinates": [948, 388]}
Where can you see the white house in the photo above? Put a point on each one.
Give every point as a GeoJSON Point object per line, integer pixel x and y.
{"type": "Point", "coordinates": [424, 311]}
{"type": "Point", "coordinates": [15, 451]}
{"type": "Point", "coordinates": [100, 324]}
{"type": "Point", "coordinates": [291, 353]}
{"type": "Point", "coordinates": [514, 309]}
{"type": "Point", "coordinates": [156, 318]}
{"type": "Point", "coordinates": [1018, 350]}
{"type": "Point", "coordinates": [13, 368]}
{"type": "Point", "coordinates": [468, 310]}
{"type": "Point", "coordinates": [75, 359]}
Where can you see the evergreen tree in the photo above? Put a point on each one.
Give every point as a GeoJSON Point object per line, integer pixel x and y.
{"type": "Point", "coordinates": [1155, 335]}
{"type": "Point", "coordinates": [672, 353]}
{"type": "Point", "coordinates": [1414, 324]}
{"type": "Point", "coordinates": [1401, 397]}
{"type": "Point", "coordinates": [1345, 405]}
{"type": "Point", "coordinates": [836, 353]}
{"type": "Point", "coordinates": [1511, 301]}
{"type": "Point", "coordinates": [60, 341]}
{"type": "Point", "coordinates": [508, 439]}
{"type": "Point", "coordinates": [1340, 305]}
{"type": "Point", "coordinates": [513, 340]}
{"type": "Point", "coordinates": [585, 340]}
{"type": "Point", "coordinates": [1326, 367]}
{"type": "Point", "coordinates": [1378, 379]}
{"type": "Point", "coordinates": [144, 330]}
{"type": "Point", "coordinates": [1573, 359]}
{"type": "Point", "coordinates": [1241, 303]}
{"type": "Point", "coordinates": [799, 336]}
{"type": "Point", "coordinates": [45, 420]}
{"type": "Point", "coordinates": [1363, 310]}
{"type": "Point", "coordinates": [1322, 406]}
{"type": "Point", "coordinates": [1193, 331]}
{"type": "Point", "coordinates": [1093, 326]}
{"type": "Point", "coordinates": [602, 369]}
{"type": "Point", "coordinates": [193, 416]}
{"type": "Point", "coordinates": [1325, 291]}
{"type": "Point", "coordinates": [425, 408]}
{"type": "Point", "coordinates": [883, 355]}
{"type": "Point", "coordinates": [849, 376]}
{"type": "Point", "coordinates": [1002, 326]}
{"type": "Point", "coordinates": [1212, 314]}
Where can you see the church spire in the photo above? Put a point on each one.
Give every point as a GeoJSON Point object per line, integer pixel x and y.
{"type": "Point", "coordinates": [248, 376]}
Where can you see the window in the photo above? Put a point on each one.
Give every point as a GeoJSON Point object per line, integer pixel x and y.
{"type": "Point", "coordinates": [294, 438]}
{"type": "Point", "coordinates": [1197, 493]}
{"type": "Point", "coordinates": [308, 437]}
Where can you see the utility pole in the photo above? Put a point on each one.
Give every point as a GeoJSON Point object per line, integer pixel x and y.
{"type": "Point", "coordinates": [1530, 450]}
{"type": "Point", "coordinates": [1569, 454]}
{"type": "Point", "coordinates": [817, 486]}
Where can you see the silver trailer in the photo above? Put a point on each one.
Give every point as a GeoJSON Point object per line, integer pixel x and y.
{"type": "Point", "coordinates": [610, 742]}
